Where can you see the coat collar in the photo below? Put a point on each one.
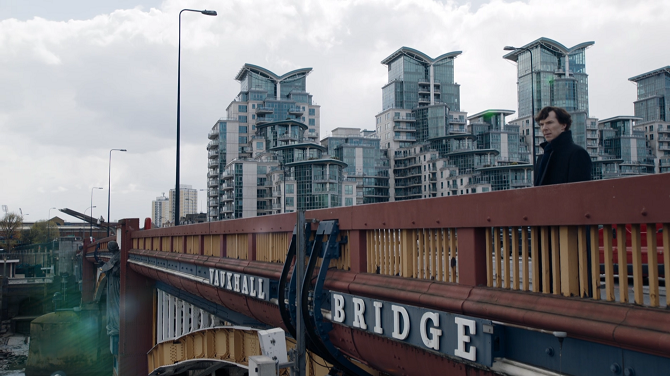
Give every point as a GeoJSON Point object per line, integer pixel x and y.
{"type": "Point", "coordinates": [563, 139]}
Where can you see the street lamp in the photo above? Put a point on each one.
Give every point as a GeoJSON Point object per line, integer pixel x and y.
{"type": "Point", "coordinates": [90, 231]}
{"type": "Point", "coordinates": [206, 13]}
{"type": "Point", "coordinates": [109, 188]}
{"type": "Point", "coordinates": [532, 95]}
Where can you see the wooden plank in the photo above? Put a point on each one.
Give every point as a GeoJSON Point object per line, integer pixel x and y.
{"type": "Point", "coordinates": [433, 253]}
{"type": "Point", "coordinates": [396, 245]}
{"type": "Point", "coordinates": [453, 241]}
{"type": "Point", "coordinates": [524, 257]}
{"type": "Point", "coordinates": [556, 260]}
{"type": "Point", "coordinates": [505, 255]}
{"type": "Point", "coordinates": [666, 259]}
{"type": "Point", "coordinates": [498, 258]}
{"type": "Point", "coordinates": [583, 262]}
{"type": "Point", "coordinates": [515, 257]}
{"type": "Point", "coordinates": [420, 252]}
{"type": "Point", "coordinates": [489, 259]}
{"type": "Point", "coordinates": [546, 274]}
{"type": "Point", "coordinates": [442, 252]}
{"type": "Point", "coordinates": [569, 260]}
{"type": "Point", "coordinates": [636, 253]}
{"type": "Point", "coordinates": [535, 257]}
{"type": "Point", "coordinates": [623, 262]}
{"type": "Point", "coordinates": [595, 263]}
{"type": "Point", "coordinates": [406, 252]}
{"type": "Point", "coordinates": [609, 263]}
{"type": "Point", "coordinates": [652, 262]}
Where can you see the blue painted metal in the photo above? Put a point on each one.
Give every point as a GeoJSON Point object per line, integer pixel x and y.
{"type": "Point", "coordinates": [316, 328]}
{"type": "Point", "coordinates": [576, 357]}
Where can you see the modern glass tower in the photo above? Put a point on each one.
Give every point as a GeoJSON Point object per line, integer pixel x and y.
{"type": "Point", "coordinates": [264, 97]}
{"type": "Point", "coordinates": [558, 75]}
{"type": "Point", "coordinates": [653, 108]}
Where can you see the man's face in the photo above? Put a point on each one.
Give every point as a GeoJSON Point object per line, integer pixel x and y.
{"type": "Point", "coordinates": [550, 127]}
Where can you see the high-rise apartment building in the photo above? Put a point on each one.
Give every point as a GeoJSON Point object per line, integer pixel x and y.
{"type": "Point", "coordinates": [188, 201]}
{"type": "Point", "coordinates": [160, 211]}
{"type": "Point", "coordinates": [622, 140]}
{"type": "Point", "coordinates": [367, 164]}
{"type": "Point", "coordinates": [264, 97]}
{"type": "Point", "coordinates": [558, 77]}
{"type": "Point", "coordinates": [653, 108]}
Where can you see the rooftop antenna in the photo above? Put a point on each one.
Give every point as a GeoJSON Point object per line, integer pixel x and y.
{"type": "Point", "coordinates": [4, 208]}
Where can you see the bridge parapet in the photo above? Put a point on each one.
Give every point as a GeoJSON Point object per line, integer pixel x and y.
{"type": "Point", "coordinates": [523, 257]}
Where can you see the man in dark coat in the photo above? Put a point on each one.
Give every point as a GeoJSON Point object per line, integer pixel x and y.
{"type": "Point", "coordinates": [563, 161]}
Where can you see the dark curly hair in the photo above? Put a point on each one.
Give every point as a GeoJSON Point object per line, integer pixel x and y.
{"type": "Point", "coordinates": [562, 116]}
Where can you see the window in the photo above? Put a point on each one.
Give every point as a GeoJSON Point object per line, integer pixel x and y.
{"type": "Point", "coordinates": [312, 121]}
{"type": "Point", "coordinates": [348, 189]}
{"type": "Point", "coordinates": [243, 139]}
{"type": "Point", "coordinates": [289, 188]}
{"type": "Point", "coordinates": [290, 202]}
{"type": "Point", "coordinates": [312, 112]}
{"type": "Point", "coordinates": [652, 137]}
{"type": "Point", "coordinates": [242, 118]}
{"type": "Point", "coordinates": [651, 129]}
{"type": "Point", "coordinates": [253, 105]}
{"type": "Point", "coordinates": [242, 108]}
{"type": "Point", "coordinates": [312, 130]}
{"type": "Point", "coordinates": [349, 201]}
{"type": "Point", "coordinates": [243, 129]}
{"type": "Point", "coordinates": [253, 116]}
{"type": "Point", "coordinates": [259, 145]}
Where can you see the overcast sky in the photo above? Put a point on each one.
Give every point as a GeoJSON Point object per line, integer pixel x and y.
{"type": "Point", "coordinates": [81, 77]}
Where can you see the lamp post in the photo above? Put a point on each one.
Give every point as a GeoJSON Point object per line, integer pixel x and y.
{"type": "Point", "coordinates": [109, 187]}
{"type": "Point", "coordinates": [48, 223]}
{"type": "Point", "coordinates": [207, 13]}
{"type": "Point", "coordinates": [90, 231]}
{"type": "Point", "coordinates": [532, 96]}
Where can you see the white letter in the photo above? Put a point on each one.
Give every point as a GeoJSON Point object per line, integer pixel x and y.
{"type": "Point", "coordinates": [229, 286]}
{"type": "Point", "coordinates": [211, 276]}
{"type": "Point", "coordinates": [245, 286]}
{"type": "Point", "coordinates": [253, 288]}
{"type": "Point", "coordinates": [261, 292]}
{"type": "Point", "coordinates": [237, 283]}
{"type": "Point", "coordinates": [216, 279]}
{"type": "Point", "coordinates": [359, 309]}
{"type": "Point", "coordinates": [397, 311]}
{"type": "Point", "coordinates": [433, 343]}
{"type": "Point", "coordinates": [338, 315]}
{"type": "Point", "coordinates": [222, 278]}
{"type": "Point", "coordinates": [378, 318]}
{"type": "Point", "coordinates": [462, 339]}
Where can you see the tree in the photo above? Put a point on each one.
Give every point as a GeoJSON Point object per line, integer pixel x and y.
{"type": "Point", "coordinates": [10, 229]}
{"type": "Point", "coordinates": [43, 232]}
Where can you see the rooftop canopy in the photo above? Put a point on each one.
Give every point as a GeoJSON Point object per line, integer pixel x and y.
{"type": "Point", "coordinates": [491, 112]}
{"type": "Point", "coordinates": [268, 74]}
{"type": "Point", "coordinates": [549, 44]}
{"type": "Point", "coordinates": [650, 74]}
{"type": "Point", "coordinates": [420, 56]}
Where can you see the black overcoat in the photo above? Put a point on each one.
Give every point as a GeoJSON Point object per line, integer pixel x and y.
{"type": "Point", "coordinates": [568, 162]}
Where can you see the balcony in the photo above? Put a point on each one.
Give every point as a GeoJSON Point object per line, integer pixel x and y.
{"type": "Point", "coordinates": [457, 129]}
{"type": "Point", "coordinates": [214, 133]}
{"type": "Point", "coordinates": [404, 128]}
{"type": "Point", "coordinates": [407, 117]}
{"type": "Point", "coordinates": [664, 147]}
{"type": "Point", "coordinates": [212, 183]}
{"type": "Point", "coordinates": [297, 110]}
{"type": "Point", "coordinates": [212, 174]}
{"type": "Point", "coordinates": [287, 137]}
{"type": "Point", "coordinates": [264, 110]}
{"type": "Point", "coordinates": [213, 163]}
{"type": "Point", "coordinates": [214, 144]}
{"type": "Point", "coordinates": [213, 154]}
{"type": "Point", "coordinates": [406, 137]}
{"type": "Point", "coordinates": [226, 209]}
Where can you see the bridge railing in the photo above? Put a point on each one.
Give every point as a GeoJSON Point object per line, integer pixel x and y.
{"type": "Point", "coordinates": [556, 240]}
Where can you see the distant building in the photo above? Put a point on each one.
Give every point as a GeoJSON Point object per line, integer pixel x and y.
{"type": "Point", "coordinates": [188, 201]}
{"type": "Point", "coordinates": [626, 144]}
{"type": "Point", "coordinates": [653, 108]}
{"type": "Point", "coordinates": [264, 97]}
{"type": "Point", "coordinates": [560, 79]}
{"type": "Point", "coordinates": [367, 165]}
{"type": "Point", "coordinates": [161, 211]}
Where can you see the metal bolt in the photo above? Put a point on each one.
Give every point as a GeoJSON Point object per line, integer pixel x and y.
{"type": "Point", "coordinates": [549, 351]}
{"type": "Point", "coordinates": [615, 368]}
{"type": "Point", "coordinates": [629, 372]}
